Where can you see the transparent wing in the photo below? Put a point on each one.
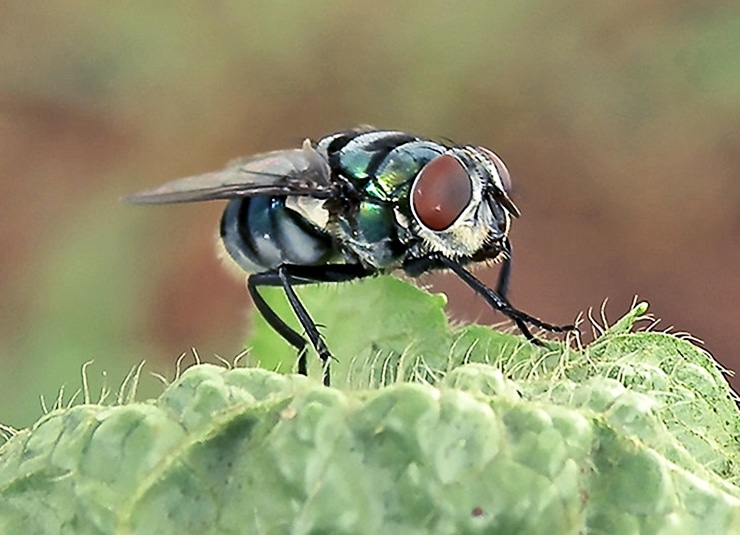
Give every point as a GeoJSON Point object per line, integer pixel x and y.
{"type": "Point", "coordinates": [285, 172]}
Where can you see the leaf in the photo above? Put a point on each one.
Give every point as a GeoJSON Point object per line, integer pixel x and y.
{"type": "Point", "coordinates": [483, 433]}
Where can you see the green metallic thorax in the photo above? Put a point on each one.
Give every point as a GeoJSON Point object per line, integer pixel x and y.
{"type": "Point", "coordinates": [382, 176]}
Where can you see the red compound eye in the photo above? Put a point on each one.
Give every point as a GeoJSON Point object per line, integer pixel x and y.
{"type": "Point", "coordinates": [441, 192]}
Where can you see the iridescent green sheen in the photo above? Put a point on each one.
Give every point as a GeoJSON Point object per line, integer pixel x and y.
{"type": "Point", "coordinates": [391, 179]}
{"type": "Point", "coordinates": [375, 222]}
{"type": "Point", "coordinates": [356, 162]}
{"type": "Point", "coordinates": [372, 234]}
{"type": "Point", "coordinates": [399, 168]}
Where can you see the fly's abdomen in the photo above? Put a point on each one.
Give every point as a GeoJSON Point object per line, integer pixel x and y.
{"type": "Point", "coordinates": [260, 233]}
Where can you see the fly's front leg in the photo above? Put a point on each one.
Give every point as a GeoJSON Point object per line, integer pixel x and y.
{"type": "Point", "coordinates": [500, 303]}
{"type": "Point", "coordinates": [494, 299]}
{"type": "Point", "coordinates": [502, 286]}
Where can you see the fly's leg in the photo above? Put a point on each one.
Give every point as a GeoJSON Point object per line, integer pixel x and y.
{"type": "Point", "coordinates": [282, 328]}
{"type": "Point", "coordinates": [493, 298]}
{"type": "Point", "coordinates": [280, 277]}
{"type": "Point", "coordinates": [287, 276]}
{"type": "Point", "coordinates": [500, 303]}
{"type": "Point", "coordinates": [502, 286]}
{"type": "Point", "coordinates": [308, 324]}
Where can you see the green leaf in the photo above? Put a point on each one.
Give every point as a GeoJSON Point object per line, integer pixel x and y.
{"type": "Point", "coordinates": [431, 429]}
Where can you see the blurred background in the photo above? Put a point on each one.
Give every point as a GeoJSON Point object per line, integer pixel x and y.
{"type": "Point", "coordinates": [619, 122]}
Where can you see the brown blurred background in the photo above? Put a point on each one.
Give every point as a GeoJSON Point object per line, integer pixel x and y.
{"type": "Point", "coordinates": [619, 122]}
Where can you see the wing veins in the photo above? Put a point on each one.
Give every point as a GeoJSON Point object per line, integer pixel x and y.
{"type": "Point", "coordinates": [299, 172]}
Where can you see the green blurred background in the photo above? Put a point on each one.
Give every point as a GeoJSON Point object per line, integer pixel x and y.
{"type": "Point", "coordinates": [619, 122]}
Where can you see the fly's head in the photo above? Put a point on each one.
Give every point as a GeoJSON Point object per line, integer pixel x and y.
{"type": "Point", "coordinates": [460, 206]}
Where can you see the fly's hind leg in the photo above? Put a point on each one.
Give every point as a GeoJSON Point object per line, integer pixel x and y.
{"type": "Point", "coordinates": [287, 276]}
{"type": "Point", "coordinates": [282, 328]}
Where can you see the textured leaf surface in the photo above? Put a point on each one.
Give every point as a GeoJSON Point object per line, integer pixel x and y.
{"type": "Point", "coordinates": [635, 434]}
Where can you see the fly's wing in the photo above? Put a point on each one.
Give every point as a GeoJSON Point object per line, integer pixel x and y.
{"type": "Point", "coordinates": [285, 172]}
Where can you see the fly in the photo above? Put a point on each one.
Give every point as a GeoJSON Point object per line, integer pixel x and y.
{"type": "Point", "coordinates": [355, 204]}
